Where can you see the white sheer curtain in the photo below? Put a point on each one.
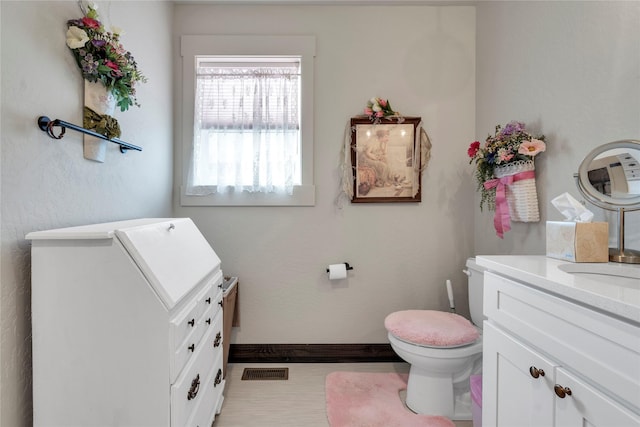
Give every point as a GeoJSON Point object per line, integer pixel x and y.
{"type": "Point", "coordinates": [246, 128]}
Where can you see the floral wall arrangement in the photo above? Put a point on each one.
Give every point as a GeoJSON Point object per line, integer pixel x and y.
{"type": "Point", "coordinates": [505, 174]}
{"type": "Point", "coordinates": [110, 72]}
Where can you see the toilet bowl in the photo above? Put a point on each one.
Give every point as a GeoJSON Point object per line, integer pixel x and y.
{"type": "Point", "coordinates": [444, 350]}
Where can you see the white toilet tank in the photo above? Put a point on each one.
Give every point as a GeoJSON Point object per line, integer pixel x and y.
{"type": "Point", "coordinates": [476, 287]}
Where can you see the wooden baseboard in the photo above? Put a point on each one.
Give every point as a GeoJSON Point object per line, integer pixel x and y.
{"type": "Point", "coordinates": [312, 353]}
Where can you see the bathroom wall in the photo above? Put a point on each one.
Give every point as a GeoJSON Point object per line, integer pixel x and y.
{"type": "Point", "coordinates": [422, 58]}
{"type": "Point", "coordinates": [46, 183]}
{"type": "Point", "coordinates": [570, 70]}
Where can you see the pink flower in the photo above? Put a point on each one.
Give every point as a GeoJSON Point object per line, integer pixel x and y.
{"type": "Point", "coordinates": [111, 65]}
{"type": "Point", "coordinates": [90, 23]}
{"type": "Point", "coordinates": [531, 148]}
{"type": "Point", "coordinates": [382, 102]}
{"type": "Point", "coordinates": [505, 156]}
{"type": "Point", "coordinates": [473, 149]}
{"type": "Point", "coordinates": [368, 111]}
{"type": "Point", "coordinates": [380, 114]}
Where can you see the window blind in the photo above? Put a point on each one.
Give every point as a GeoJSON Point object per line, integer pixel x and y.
{"type": "Point", "coordinates": [251, 93]}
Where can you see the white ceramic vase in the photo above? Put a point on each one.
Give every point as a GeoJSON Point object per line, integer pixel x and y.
{"type": "Point", "coordinates": [102, 101]}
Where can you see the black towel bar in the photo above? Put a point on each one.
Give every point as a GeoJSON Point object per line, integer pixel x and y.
{"type": "Point", "coordinates": [46, 124]}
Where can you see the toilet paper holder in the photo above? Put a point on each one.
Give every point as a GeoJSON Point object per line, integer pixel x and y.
{"type": "Point", "coordinates": [346, 264]}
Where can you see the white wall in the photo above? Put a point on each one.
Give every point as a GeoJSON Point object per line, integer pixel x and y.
{"type": "Point", "coordinates": [422, 59]}
{"type": "Point", "coordinates": [47, 183]}
{"type": "Point", "coordinates": [570, 70]}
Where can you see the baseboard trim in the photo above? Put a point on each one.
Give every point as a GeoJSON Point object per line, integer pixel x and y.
{"type": "Point", "coordinates": [311, 353]}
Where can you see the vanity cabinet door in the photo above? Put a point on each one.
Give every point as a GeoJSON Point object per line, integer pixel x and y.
{"type": "Point", "coordinates": [585, 406]}
{"type": "Point", "coordinates": [517, 389]}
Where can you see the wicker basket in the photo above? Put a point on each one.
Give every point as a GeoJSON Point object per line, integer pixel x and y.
{"type": "Point", "coordinates": [521, 195]}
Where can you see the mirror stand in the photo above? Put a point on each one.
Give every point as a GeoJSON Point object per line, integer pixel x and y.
{"type": "Point", "coordinates": [620, 254]}
{"type": "Point", "coordinates": [609, 177]}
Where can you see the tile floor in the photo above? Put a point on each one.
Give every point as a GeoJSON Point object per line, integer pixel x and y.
{"type": "Point", "coordinates": [297, 402]}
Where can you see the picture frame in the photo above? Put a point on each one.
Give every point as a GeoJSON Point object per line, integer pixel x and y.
{"type": "Point", "coordinates": [383, 159]}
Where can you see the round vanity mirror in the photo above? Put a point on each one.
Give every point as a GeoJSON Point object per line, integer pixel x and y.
{"type": "Point", "coordinates": [609, 177]}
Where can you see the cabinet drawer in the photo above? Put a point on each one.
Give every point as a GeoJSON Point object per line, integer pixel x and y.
{"type": "Point", "coordinates": [211, 299]}
{"type": "Point", "coordinates": [186, 323]}
{"type": "Point", "coordinates": [212, 314]}
{"type": "Point", "coordinates": [183, 325]}
{"type": "Point", "coordinates": [192, 385]}
{"type": "Point", "coordinates": [189, 348]}
{"type": "Point", "coordinates": [604, 349]}
{"type": "Point", "coordinates": [212, 397]}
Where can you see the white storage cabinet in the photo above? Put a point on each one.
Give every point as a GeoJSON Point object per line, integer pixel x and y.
{"type": "Point", "coordinates": [127, 325]}
{"type": "Point", "coordinates": [548, 361]}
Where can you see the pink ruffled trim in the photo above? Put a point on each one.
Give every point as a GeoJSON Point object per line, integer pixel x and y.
{"type": "Point", "coordinates": [432, 328]}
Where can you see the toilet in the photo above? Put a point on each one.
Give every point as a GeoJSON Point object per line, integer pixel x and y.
{"type": "Point", "coordinates": [444, 349]}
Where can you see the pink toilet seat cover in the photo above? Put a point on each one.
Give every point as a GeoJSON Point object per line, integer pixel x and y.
{"type": "Point", "coordinates": [431, 328]}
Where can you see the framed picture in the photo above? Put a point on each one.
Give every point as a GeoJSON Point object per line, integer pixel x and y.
{"type": "Point", "coordinates": [384, 161]}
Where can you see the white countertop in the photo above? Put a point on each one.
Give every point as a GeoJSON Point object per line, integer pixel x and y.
{"type": "Point", "coordinates": [617, 294]}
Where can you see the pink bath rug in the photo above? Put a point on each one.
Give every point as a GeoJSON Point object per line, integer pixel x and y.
{"type": "Point", "coordinates": [362, 399]}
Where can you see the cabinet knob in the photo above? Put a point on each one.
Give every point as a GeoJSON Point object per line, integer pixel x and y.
{"type": "Point", "coordinates": [192, 347]}
{"type": "Point", "coordinates": [221, 303]}
{"type": "Point", "coordinates": [562, 392]}
{"type": "Point", "coordinates": [192, 322]}
{"type": "Point", "coordinates": [208, 300]}
{"type": "Point", "coordinates": [535, 372]}
{"type": "Point", "coordinates": [208, 321]}
{"type": "Point", "coordinates": [172, 226]}
{"type": "Point", "coordinates": [216, 343]}
{"type": "Point", "coordinates": [218, 379]}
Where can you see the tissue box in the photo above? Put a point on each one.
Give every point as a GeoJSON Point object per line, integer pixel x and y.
{"type": "Point", "coordinates": [578, 241]}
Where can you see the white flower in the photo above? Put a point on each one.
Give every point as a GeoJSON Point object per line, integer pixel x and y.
{"type": "Point", "coordinates": [117, 30]}
{"type": "Point", "coordinates": [376, 107]}
{"type": "Point", "coordinates": [373, 101]}
{"type": "Point", "coordinates": [76, 37]}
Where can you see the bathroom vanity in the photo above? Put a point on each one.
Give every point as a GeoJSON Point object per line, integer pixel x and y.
{"type": "Point", "coordinates": [127, 325]}
{"type": "Point", "coordinates": [561, 343]}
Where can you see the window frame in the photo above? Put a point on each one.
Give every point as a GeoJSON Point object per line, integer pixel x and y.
{"type": "Point", "coordinates": [230, 45]}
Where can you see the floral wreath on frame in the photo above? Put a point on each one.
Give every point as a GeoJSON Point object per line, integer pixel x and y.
{"type": "Point", "coordinates": [378, 111]}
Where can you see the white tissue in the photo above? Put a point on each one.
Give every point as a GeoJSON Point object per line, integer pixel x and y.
{"type": "Point", "coordinates": [337, 271]}
{"type": "Point", "coordinates": [571, 209]}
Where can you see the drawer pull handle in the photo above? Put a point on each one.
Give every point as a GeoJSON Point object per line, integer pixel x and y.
{"type": "Point", "coordinates": [535, 372]}
{"type": "Point", "coordinates": [192, 322]}
{"type": "Point", "coordinates": [172, 226]}
{"type": "Point", "coordinates": [218, 379]}
{"type": "Point", "coordinates": [208, 300]}
{"type": "Point", "coordinates": [216, 343]}
{"type": "Point", "coordinates": [195, 387]}
{"type": "Point", "coordinates": [561, 392]}
{"type": "Point", "coordinates": [192, 347]}
{"type": "Point", "coordinates": [220, 286]}
{"type": "Point", "coordinates": [220, 302]}
{"type": "Point", "coordinates": [208, 321]}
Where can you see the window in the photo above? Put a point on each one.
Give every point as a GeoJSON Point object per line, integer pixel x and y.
{"type": "Point", "coordinates": [247, 120]}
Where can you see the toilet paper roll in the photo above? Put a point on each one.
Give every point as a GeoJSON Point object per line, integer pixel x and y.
{"type": "Point", "coordinates": [337, 271]}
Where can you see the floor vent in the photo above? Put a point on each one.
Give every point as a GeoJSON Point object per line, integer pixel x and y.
{"type": "Point", "coordinates": [265, 374]}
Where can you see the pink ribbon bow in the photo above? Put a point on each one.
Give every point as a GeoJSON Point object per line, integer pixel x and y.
{"type": "Point", "coordinates": [502, 219]}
